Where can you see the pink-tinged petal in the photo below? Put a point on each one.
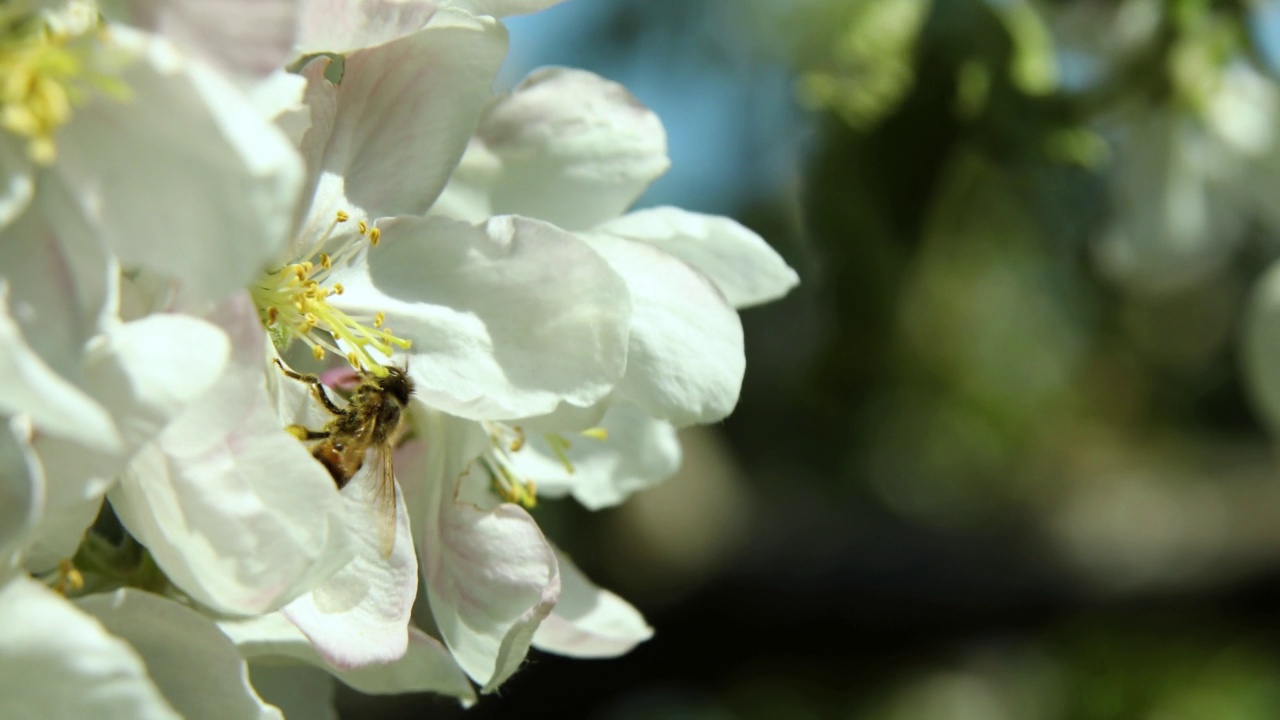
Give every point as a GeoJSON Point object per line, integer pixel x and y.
{"type": "Point", "coordinates": [402, 117]}
{"type": "Point", "coordinates": [491, 579]}
{"type": "Point", "coordinates": [638, 453]}
{"type": "Point", "coordinates": [245, 37]}
{"type": "Point", "coordinates": [493, 312]}
{"type": "Point", "coordinates": [234, 509]}
{"type": "Point", "coordinates": [360, 615]}
{"type": "Point", "coordinates": [190, 181]}
{"type": "Point", "coordinates": [589, 622]}
{"type": "Point", "coordinates": [576, 149]}
{"type": "Point", "coordinates": [490, 575]}
{"type": "Point", "coordinates": [738, 261]}
{"type": "Point", "coordinates": [426, 665]}
{"type": "Point", "coordinates": [341, 26]}
{"type": "Point", "coordinates": [22, 488]}
{"type": "Point", "coordinates": [685, 360]}
{"type": "Point", "coordinates": [57, 662]}
{"type": "Point", "coordinates": [195, 666]}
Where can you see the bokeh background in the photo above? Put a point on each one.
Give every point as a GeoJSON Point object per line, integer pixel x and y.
{"type": "Point", "coordinates": [1002, 455]}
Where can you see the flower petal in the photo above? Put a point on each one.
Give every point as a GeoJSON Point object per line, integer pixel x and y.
{"type": "Point", "coordinates": [576, 149]}
{"type": "Point", "coordinates": [685, 360]}
{"type": "Point", "coordinates": [57, 662]}
{"type": "Point", "coordinates": [589, 622]}
{"type": "Point", "coordinates": [192, 181]}
{"type": "Point", "coordinates": [638, 452]}
{"type": "Point", "coordinates": [360, 615]}
{"type": "Point", "coordinates": [493, 311]}
{"type": "Point", "coordinates": [491, 576]}
{"type": "Point", "coordinates": [300, 691]}
{"type": "Point", "coordinates": [401, 119]}
{"type": "Point", "coordinates": [17, 184]}
{"type": "Point", "coordinates": [738, 261]}
{"type": "Point", "coordinates": [502, 8]}
{"type": "Point", "coordinates": [55, 405]}
{"type": "Point", "coordinates": [234, 509]}
{"type": "Point", "coordinates": [341, 26]}
{"type": "Point", "coordinates": [196, 667]}
{"type": "Point", "coordinates": [249, 37]}
{"type": "Point", "coordinates": [21, 491]}
{"type": "Point", "coordinates": [426, 666]}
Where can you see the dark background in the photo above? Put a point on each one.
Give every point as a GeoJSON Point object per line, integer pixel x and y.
{"type": "Point", "coordinates": [981, 469]}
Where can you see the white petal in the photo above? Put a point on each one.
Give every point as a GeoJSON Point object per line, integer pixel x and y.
{"type": "Point", "coordinates": [403, 114]}
{"type": "Point", "coordinates": [589, 622]}
{"type": "Point", "coordinates": [490, 575]}
{"type": "Point", "coordinates": [55, 405]}
{"type": "Point", "coordinates": [190, 181]}
{"type": "Point", "coordinates": [491, 578]}
{"type": "Point", "coordinates": [502, 8]}
{"type": "Point", "coordinates": [250, 37]}
{"type": "Point", "coordinates": [638, 453]}
{"type": "Point", "coordinates": [685, 360]}
{"type": "Point", "coordinates": [426, 666]}
{"type": "Point", "coordinates": [300, 691]}
{"type": "Point", "coordinates": [17, 185]}
{"type": "Point", "coordinates": [21, 491]}
{"type": "Point", "coordinates": [360, 615]}
{"type": "Point", "coordinates": [739, 262]}
{"type": "Point", "coordinates": [506, 319]}
{"type": "Point", "coordinates": [146, 371]}
{"type": "Point", "coordinates": [196, 667]}
{"type": "Point", "coordinates": [576, 149]}
{"type": "Point", "coordinates": [57, 662]}
{"type": "Point", "coordinates": [234, 509]}
{"type": "Point", "coordinates": [77, 480]}
{"type": "Point", "coordinates": [341, 26]}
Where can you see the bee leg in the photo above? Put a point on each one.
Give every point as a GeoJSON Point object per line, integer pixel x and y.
{"type": "Point", "coordinates": [317, 387]}
{"type": "Point", "coordinates": [304, 433]}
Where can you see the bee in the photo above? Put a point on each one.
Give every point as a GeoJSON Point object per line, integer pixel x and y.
{"type": "Point", "coordinates": [368, 421]}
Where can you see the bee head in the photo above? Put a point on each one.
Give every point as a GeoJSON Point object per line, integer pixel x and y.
{"type": "Point", "coordinates": [397, 384]}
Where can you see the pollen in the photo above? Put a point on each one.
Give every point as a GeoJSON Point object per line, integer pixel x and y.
{"type": "Point", "coordinates": [507, 482]}
{"type": "Point", "coordinates": [44, 74]}
{"type": "Point", "coordinates": [297, 295]}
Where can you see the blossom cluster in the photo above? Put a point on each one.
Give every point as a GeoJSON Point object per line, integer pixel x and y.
{"type": "Point", "coordinates": [204, 203]}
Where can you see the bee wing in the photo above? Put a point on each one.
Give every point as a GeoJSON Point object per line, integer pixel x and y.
{"type": "Point", "coordinates": [384, 500]}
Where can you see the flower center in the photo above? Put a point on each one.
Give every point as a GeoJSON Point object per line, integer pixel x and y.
{"type": "Point", "coordinates": [506, 440]}
{"type": "Point", "coordinates": [46, 71]}
{"type": "Point", "coordinates": [294, 304]}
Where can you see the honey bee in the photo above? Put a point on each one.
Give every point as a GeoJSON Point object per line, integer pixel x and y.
{"type": "Point", "coordinates": [368, 421]}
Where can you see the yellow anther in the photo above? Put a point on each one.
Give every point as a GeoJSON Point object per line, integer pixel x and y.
{"type": "Point", "coordinates": [338, 289]}
{"type": "Point", "coordinates": [595, 433]}
{"type": "Point", "coordinates": [69, 579]}
{"type": "Point", "coordinates": [378, 319]}
{"type": "Point", "coordinates": [317, 352]}
{"type": "Point", "coordinates": [518, 441]}
{"type": "Point", "coordinates": [362, 227]}
{"type": "Point", "coordinates": [374, 236]}
{"type": "Point", "coordinates": [326, 262]}
{"type": "Point", "coordinates": [354, 359]}
{"type": "Point", "coordinates": [273, 314]}
{"type": "Point", "coordinates": [297, 431]}
{"type": "Point", "coordinates": [300, 272]}
{"type": "Point", "coordinates": [341, 216]}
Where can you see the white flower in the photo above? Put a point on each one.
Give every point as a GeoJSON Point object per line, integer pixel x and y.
{"type": "Point", "coordinates": [129, 654]}
{"type": "Point", "coordinates": [155, 153]}
{"type": "Point", "coordinates": [563, 135]}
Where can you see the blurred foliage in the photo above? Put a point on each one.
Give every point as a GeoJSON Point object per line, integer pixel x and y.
{"type": "Point", "coordinates": [997, 458]}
